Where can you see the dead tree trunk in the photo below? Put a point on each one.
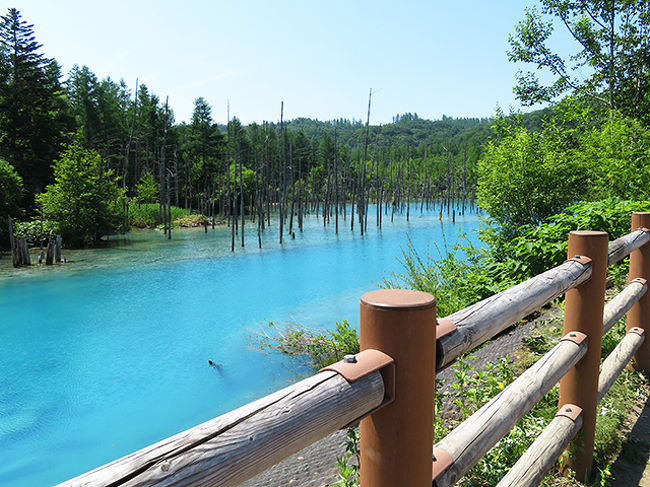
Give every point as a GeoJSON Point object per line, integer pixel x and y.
{"type": "Point", "coordinates": [14, 250]}
{"type": "Point", "coordinates": [284, 165]}
{"type": "Point", "coordinates": [57, 248]}
{"type": "Point", "coordinates": [241, 187]}
{"type": "Point", "coordinates": [336, 185]}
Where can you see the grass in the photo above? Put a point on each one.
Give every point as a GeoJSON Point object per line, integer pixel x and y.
{"type": "Point", "coordinates": [612, 412]}
{"type": "Point", "coordinates": [314, 347]}
{"type": "Point", "coordinates": [147, 215]}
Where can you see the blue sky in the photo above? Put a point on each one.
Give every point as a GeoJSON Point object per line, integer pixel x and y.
{"type": "Point", "coordinates": [319, 57]}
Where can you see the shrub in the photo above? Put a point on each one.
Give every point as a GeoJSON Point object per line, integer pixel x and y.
{"type": "Point", "coordinates": [148, 215]}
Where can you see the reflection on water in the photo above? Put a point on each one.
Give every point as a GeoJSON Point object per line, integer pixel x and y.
{"type": "Point", "coordinates": [110, 352]}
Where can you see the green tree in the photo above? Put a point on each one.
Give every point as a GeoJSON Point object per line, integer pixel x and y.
{"type": "Point", "coordinates": [611, 65]}
{"type": "Point", "coordinates": [619, 153]}
{"type": "Point", "coordinates": [11, 192]}
{"type": "Point", "coordinates": [147, 189]}
{"type": "Point", "coordinates": [33, 111]}
{"type": "Point", "coordinates": [84, 200]}
{"type": "Point", "coordinates": [526, 177]}
{"type": "Point", "coordinates": [204, 147]}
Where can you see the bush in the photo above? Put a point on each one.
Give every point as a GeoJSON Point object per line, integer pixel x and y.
{"type": "Point", "coordinates": [11, 192]}
{"type": "Point", "coordinates": [524, 179]}
{"type": "Point", "coordinates": [465, 274]}
{"type": "Point", "coordinates": [462, 276]}
{"type": "Point", "coordinates": [84, 200]}
{"type": "Point", "coordinates": [191, 220]}
{"type": "Point", "coordinates": [36, 230]}
{"type": "Point", "coordinates": [544, 246]}
{"type": "Point", "coordinates": [315, 347]}
{"type": "Point", "coordinates": [148, 215]}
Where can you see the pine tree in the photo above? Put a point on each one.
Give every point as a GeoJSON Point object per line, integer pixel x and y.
{"type": "Point", "coordinates": [33, 109]}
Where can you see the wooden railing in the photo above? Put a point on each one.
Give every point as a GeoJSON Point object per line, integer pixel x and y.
{"type": "Point", "coordinates": [390, 384]}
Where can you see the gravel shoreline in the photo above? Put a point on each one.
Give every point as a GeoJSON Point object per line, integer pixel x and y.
{"type": "Point", "coordinates": [315, 466]}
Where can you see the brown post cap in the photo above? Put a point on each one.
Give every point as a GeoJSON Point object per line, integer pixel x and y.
{"type": "Point", "coordinates": [398, 299]}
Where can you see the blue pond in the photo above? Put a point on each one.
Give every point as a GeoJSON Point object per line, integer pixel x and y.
{"type": "Point", "coordinates": [109, 353]}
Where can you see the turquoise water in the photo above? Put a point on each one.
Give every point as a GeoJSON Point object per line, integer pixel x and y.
{"type": "Point", "coordinates": [109, 353]}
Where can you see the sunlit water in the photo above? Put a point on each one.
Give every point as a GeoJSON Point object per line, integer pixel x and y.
{"type": "Point", "coordinates": [109, 352]}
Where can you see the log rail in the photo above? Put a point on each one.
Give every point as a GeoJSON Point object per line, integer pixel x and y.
{"type": "Point", "coordinates": [383, 384]}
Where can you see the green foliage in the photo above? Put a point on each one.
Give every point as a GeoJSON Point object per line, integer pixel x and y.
{"type": "Point", "coordinates": [36, 230]}
{"type": "Point", "coordinates": [192, 220]}
{"type": "Point", "coordinates": [471, 389]}
{"type": "Point", "coordinates": [248, 178]}
{"type": "Point", "coordinates": [11, 192]}
{"type": "Point", "coordinates": [314, 347]}
{"type": "Point", "coordinates": [84, 200]}
{"type": "Point", "coordinates": [148, 215]}
{"type": "Point", "coordinates": [461, 276]}
{"type": "Point", "coordinates": [147, 189]}
{"type": "Point", "coordinates": [619, 152]}
{"type": "Point", "coordinates": [544, 246]}
{"type": "Point", "coordinates": [348, 464]}
{"type": "Point", "coordinates": [610, 65]}
{"type": "Point", "coordinates": [524, 179]}
{"type": "Point", "coordinates": [33, 118]}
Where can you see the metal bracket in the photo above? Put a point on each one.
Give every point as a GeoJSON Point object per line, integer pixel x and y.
{"type": "Point", "coordinates": [571, 411]}
{"type": "Point", "coordinates": [444, 327]}
{"type": "Point", "coordinates": [580, 259]}
{"type": "Point", "coordinates": [640, 280]}
{"type": "Point", "coordinates": [575, 337]}
{"type": "Point", "coordinates": [441, 461]}
{"type": "Point", "coordinates": [354, 367]}
{"type": "Point", "coordinates": [637, 330]}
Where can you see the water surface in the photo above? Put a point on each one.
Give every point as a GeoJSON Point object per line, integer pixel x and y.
{"type": "Point", "coordinates": [109, 353]}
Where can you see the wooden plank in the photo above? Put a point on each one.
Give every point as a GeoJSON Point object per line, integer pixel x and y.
{"type": "Point", "coordinates": [481, 321]}
{"type": "Point", "coordinates": [236, 446]}
{"type": "Point", "coordinates": [616, 361]}
{"type": "Point", "coordinates": [540, 457]}
{"type": "Point", "coordinates": [474, 437]}
{"type": "Point", "coordinates": [622, 247]}
{"type": "Point", "coordinates": [621, 303]}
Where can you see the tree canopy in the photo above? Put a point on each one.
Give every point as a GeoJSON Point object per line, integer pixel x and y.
{"type": "Point", "coordinates": [84, 199]}
{"type": "Point", "coordinates": [611, 64]}
{"type": "Point", "coordinates": [33, 115]}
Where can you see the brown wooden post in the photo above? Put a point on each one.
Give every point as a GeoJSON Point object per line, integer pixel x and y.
{"type": "Point", "coordinates": [397, 440]}
{"type": "Point", "coordinates": [584, 313]}
{"type": "Point", "coordinates": [639, 314]}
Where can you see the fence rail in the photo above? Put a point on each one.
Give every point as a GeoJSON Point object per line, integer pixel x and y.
{"type": "Point", "coordinates": [391, 384]}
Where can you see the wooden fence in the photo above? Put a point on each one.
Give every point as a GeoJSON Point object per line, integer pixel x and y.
{"type": "Point", "coordinates": [389, 386]}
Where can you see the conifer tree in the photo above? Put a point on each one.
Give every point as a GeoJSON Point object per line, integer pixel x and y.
{"type": "Point", "coordinates": [33, 118]}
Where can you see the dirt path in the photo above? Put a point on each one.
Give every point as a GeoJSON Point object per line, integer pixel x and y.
{"type": "Point", "coordinates": [632, 467]}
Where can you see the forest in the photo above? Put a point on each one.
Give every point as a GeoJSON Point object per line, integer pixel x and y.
{"type": "Point", "coordinates": [85, 157]}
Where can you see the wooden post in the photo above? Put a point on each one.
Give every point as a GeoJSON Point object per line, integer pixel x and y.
{"type": "Point", "coordinates": [639, 314]}
{"type": "Point", "coordinates": [49, 259]}
{"type": "Point", "coordinates": [58, 241]}
{"type": "Point", "coordinates": [397, 440]}
{"type": "Point", "coordinates": [24, 251]}
{"type": "Point", "coordinates": [14, 249]}
{"type": "Point", "coordinates": [584, 313]}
